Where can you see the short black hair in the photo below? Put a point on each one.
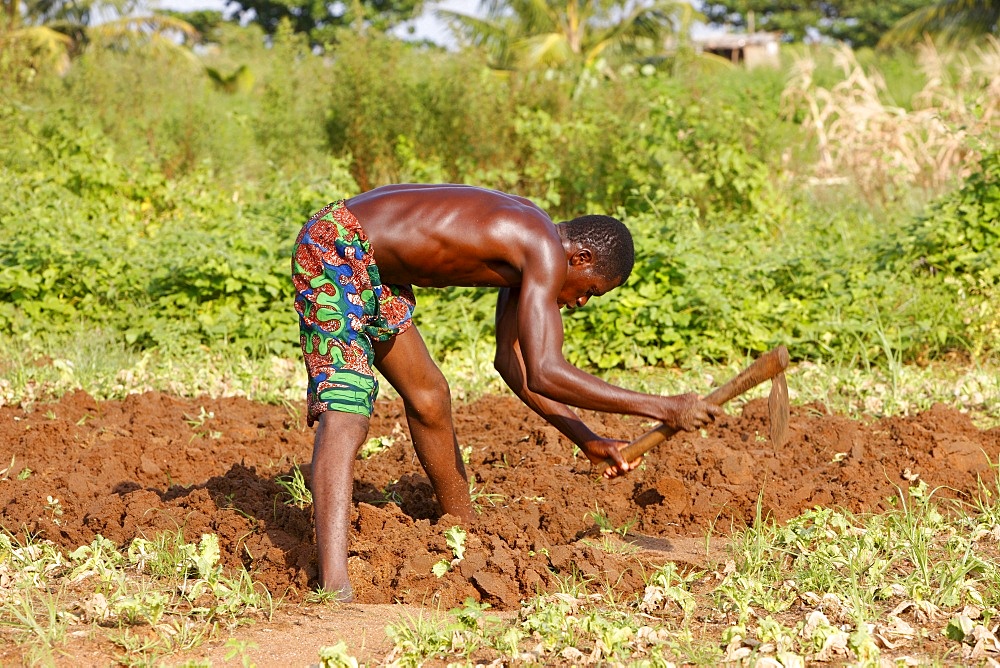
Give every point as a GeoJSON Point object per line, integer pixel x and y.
{"type": "Point", "coordinates": [608, 239]}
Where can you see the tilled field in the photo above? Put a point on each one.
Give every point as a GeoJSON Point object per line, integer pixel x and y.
{"type": "Point", "coordinates": [154, 462]}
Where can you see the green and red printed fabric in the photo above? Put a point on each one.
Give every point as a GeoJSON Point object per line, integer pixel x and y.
{"type": "Point", "coordinates": [343, 307]}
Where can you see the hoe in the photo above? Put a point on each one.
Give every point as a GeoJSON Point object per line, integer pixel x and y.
{"type": "Point", "coordinates": [769, 366]}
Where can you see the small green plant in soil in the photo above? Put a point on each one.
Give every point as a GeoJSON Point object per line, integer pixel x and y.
{"type": "Point", "coordinates": [295, 488]}
{"type": "Point", "coordinates": [336, 656]}
{"type": "Point", "coordinates": [239, 649]}
{"type": "Point", "coordinates": [480, 496]}
{"type": "Point", "coordinates": [374, 446]}
{"type": "Point", "coordinates": [604, 523]}
{"type": "Point", "coordinates": [155, 599]}
{"type": "Point", "coordinates": [321, 596]}
{"type": "Point", "coordinates": [455, 539]}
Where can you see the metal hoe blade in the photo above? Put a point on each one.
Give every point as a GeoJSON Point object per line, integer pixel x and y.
{"type": "Point", "coordinates": [777, 410]}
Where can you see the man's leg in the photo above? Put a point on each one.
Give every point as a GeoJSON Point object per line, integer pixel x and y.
{"type": "Point", "coordinates": [406, 364]}
{"type": "Point", "coordinates": [338, 438]}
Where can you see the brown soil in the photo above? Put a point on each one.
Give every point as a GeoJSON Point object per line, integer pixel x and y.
{"type": "Point", "coordinates": [148, 463]}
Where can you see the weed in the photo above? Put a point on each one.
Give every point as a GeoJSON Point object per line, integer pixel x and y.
{"type": "Point", "coordinates": [603, 523]}
{"type": "Point", "coordinates": [184, 634]}
{"type": "Point", "coordinates": [235, 596]}
{"type": "Point", "coordinates": [295, 487]}
{"type": "Point", "coordinates": [38, 616]}
{"type": "Point", "coordinates": [374, 446]}
{"type": "Point", "coordinates": [690, 651]}
{"type": "Point", "coordinates": [146, 607]}
{"type": "Point", "coordinates": [137, 648]}
{"type": "Point", "coordinates": [418, 639]}
{"type": "Point", "coordinates": [478, 495]}
{"type": "Point", "coordinates": [613, 545]}
{"type": "Point", "coordinates": [100, 558]}
{"type": "Point", "coordinates": [667, 585]}
{"type": "Point", "coordinates": [472, 614]}
{"type": "Point", "coordinates": [54, 509]}
{"type": "Point", "coordinates": [455, 539]}
{"type": "Point", "coordinates": [31, 562]}
{"type": "Point", "coordinates": [169, 555]}
{"type": "Point", "coordinates": [239, 648]}
{"type": "Point", "coordinates": [322, 596]}
{"type": "Point", "coordinates": [197, 422]}
{"type": "Point", "coordinates": [336, 656]}
{"type": "Point", "coordinates": [389, 495]}
{"type": "Point", "coordinates": [200, 419]}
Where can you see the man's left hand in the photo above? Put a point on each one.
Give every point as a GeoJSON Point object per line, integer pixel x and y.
{"type": "Point", "coordinates": [601, 449]}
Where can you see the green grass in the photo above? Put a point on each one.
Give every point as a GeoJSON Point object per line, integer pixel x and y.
{"type": "Point", "coordinates": [295, 488]}
{"type": "Point", "coordinates": [33, 373]}
{"type": "Point", "coordinates": [149, 600]}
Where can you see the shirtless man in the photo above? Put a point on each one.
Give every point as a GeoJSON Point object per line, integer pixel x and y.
{"type": "Point", "coordinates": [352, 267]}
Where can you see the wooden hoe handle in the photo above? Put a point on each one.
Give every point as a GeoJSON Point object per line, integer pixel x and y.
{"type": "Point", "coordinates": [765, 367]}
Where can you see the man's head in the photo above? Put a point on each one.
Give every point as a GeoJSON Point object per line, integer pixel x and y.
{"type": "Point", "coordinates": [601, 256]}
{"type": "Point", "coordinates": [607, 239]}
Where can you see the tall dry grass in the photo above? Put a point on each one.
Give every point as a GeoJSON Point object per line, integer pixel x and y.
{"type": "Point", "coordinates": [884, 148]}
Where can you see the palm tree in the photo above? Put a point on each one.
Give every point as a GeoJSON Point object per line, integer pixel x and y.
{"type": "Point", "coordinates": [39, 46]}
{"type": "Point", "coordinates": [524, 34]}
{"type": "Point", "coordinates": [953, 20]}
{"type": "Point", "coordinates": [157, 32]}
{"type": "Point", "coordinates": [46, 32]}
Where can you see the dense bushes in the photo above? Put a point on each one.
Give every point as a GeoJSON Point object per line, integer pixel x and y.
{"type": "Point", "coordinates": [138, 196]}
{"type": "Point", "coordinates": [959, 234]}
{"type": "Point", "coordinates": [87, 242]}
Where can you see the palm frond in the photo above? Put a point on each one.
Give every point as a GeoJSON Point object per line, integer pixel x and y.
{"type": "Point", "coordinates": [535, 16]}
{"type": "Point", "coordinates": [540, 50]}
{"type": "Point", "coordinates": [139, 28]}
{"type": "Point", "coordinates": [530, 33]}
{"type": "Point", "coordinates": [951, 20]}
{"type": "Point", "coordinates": [44, 46]}
{"type": "Point", "coordinates": [493, 36]}
{"type": "Point", "coordinates": [474, 30]}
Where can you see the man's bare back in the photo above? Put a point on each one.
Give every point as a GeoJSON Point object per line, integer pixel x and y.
{"type": "Point", "coordinates": [452, 235]}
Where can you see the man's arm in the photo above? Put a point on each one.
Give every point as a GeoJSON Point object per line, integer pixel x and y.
{"type": "Point", "coordinates": [540, 335]}
{"type": "Point", "coordinates": [510, 365]}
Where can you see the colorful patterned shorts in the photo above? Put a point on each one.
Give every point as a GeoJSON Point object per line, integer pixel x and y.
{"type": "Point", "coordinates": [343, 307]}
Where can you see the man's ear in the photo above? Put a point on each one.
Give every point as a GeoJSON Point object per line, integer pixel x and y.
{"type": "Point", "coordinates": [581, 257]}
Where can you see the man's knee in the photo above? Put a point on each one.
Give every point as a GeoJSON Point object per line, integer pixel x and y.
{"type": "Point", "coordinates": [341, 430]}
{"type": "Point", "coordinates": [431, 402]}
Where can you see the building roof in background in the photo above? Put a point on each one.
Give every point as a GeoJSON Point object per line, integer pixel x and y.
{"type": "Point", "coordinates": [736, 40]}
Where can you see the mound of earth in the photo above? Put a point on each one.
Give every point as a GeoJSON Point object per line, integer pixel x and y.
{"type": "Point", "coordinates": [154, 462]}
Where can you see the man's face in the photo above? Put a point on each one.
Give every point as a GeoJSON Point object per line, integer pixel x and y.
{"type": "Point", "coordinates": [582, 284]}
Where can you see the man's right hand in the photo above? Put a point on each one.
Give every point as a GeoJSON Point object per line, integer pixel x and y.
{"type": "Point", "coordinates": [688, 412]}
